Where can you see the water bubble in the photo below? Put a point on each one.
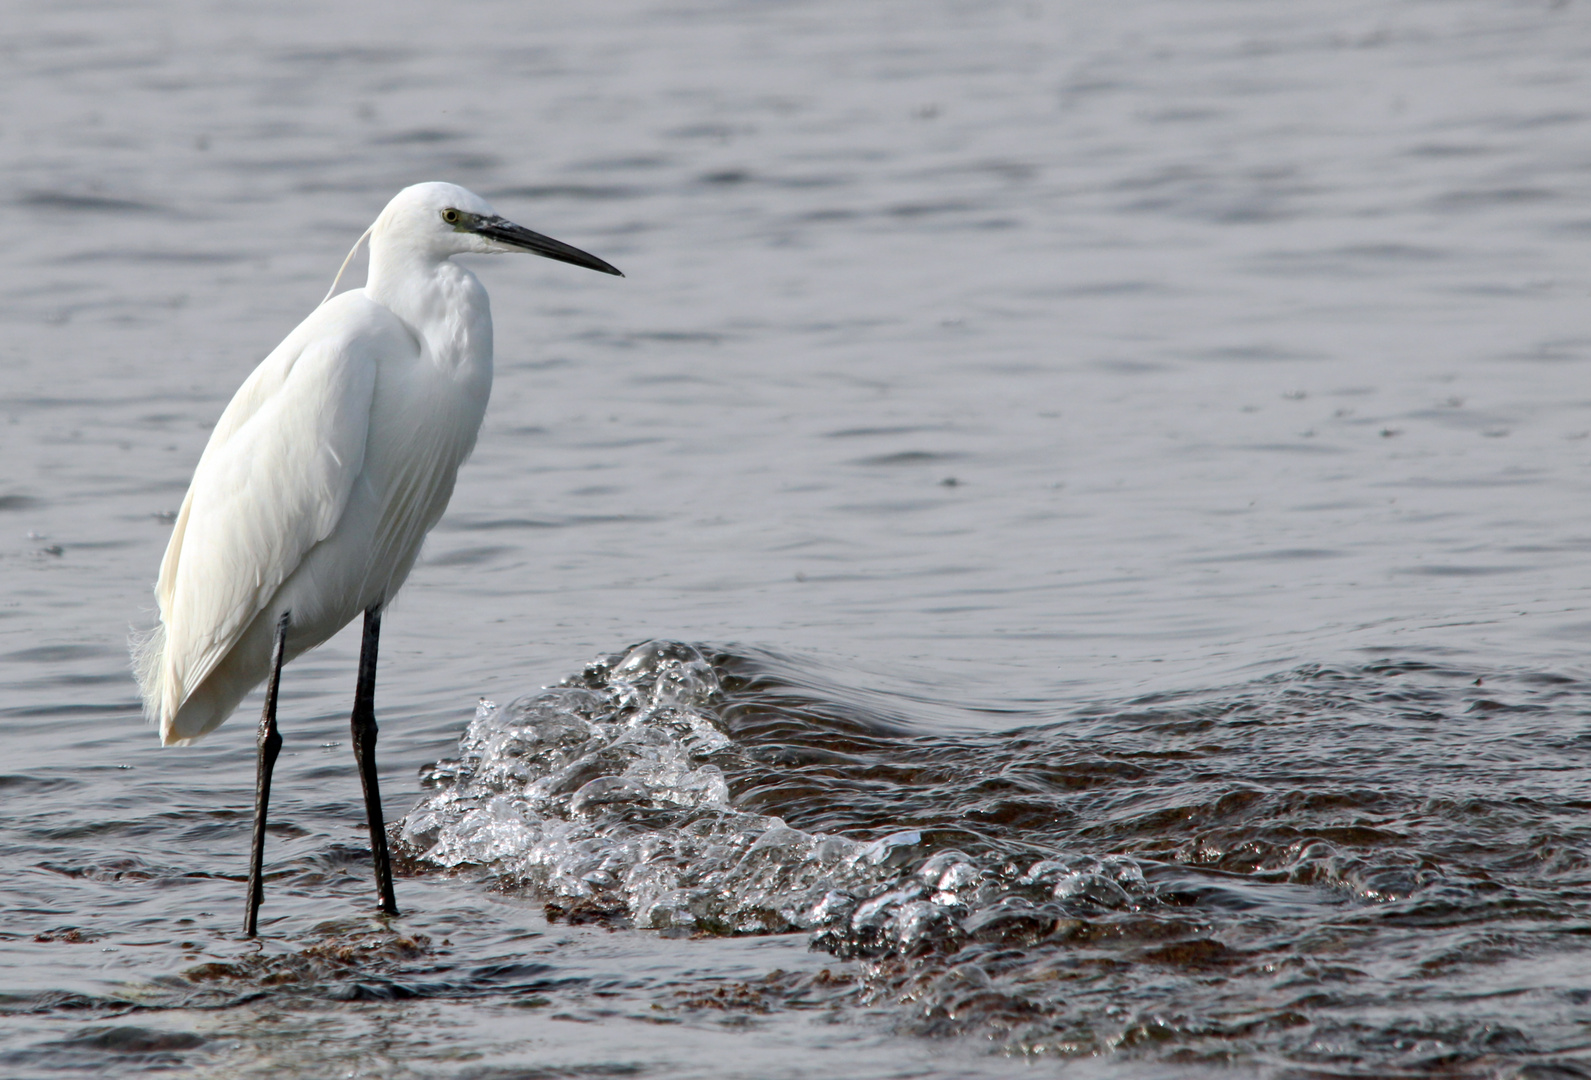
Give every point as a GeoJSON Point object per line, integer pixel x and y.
{"type": "Point", "coordinates": [611, 793]}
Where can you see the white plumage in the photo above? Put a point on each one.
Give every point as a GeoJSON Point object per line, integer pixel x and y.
{"type": "Point", "coordinates": [333, 460]}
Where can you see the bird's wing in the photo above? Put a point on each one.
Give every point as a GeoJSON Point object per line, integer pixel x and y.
{"type": "Point", "coordinates": [272, 483]}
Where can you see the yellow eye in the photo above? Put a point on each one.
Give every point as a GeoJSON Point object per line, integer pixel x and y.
{"type": "Point", "coordinates": [451, 216]}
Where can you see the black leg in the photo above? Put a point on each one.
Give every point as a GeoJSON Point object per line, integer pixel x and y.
{"type": "Point", "coordinates": [363, 723]}
{"type": "Point", "coordinates": [270, 744]}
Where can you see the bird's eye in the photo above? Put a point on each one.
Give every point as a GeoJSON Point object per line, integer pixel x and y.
{"type": "Point", "coordinates": [451, 216]}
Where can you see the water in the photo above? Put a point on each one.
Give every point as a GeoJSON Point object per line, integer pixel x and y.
{"type": "Point", "coordinates": [1103, 484]}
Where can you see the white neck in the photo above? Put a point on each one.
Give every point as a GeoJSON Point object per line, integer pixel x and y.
{"type": "Point", "coordinates": [443, 303]}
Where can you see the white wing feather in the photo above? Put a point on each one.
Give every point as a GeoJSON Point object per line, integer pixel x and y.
{"type": "Point", "coordinates": [273, 482]}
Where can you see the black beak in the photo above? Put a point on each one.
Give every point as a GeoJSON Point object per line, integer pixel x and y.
{"type": "Point", "coordinates": [506, 231]}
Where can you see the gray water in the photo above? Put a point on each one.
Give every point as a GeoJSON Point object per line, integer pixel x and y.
{"type": "Point", "coordinates": [1103, 486]}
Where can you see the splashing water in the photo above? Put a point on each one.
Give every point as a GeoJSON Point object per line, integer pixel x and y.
{"type": "Point", "coordinates": [607, 795]}
{"type": "Point", "coordinates": [1202, 877]}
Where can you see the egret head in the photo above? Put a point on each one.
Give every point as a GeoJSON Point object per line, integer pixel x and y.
{"type": "Point", "coordinates": [439, 220]}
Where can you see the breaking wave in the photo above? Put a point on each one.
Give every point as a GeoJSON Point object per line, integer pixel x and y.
{"type": "Point", "coordinates": [610, 796]}
{"type": "Point", "coordinates": [1258, 873]}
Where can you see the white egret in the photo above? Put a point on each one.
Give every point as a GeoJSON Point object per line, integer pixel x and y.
{"type": "Point", "coordinates": [321, 479]}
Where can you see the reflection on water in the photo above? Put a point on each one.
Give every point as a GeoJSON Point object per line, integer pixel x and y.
{"type": "Point", "coordinates": [1141, 445]}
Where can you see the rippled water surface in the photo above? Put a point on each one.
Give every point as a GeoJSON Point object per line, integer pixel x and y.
{"type": "Point", "coordinates": [1099, 490]}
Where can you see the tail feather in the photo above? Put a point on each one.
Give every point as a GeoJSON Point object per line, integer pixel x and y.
{"type": "Point", "coordinates": [181, 719]}
{"type": "Point", "coordinates": [148, 648]}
